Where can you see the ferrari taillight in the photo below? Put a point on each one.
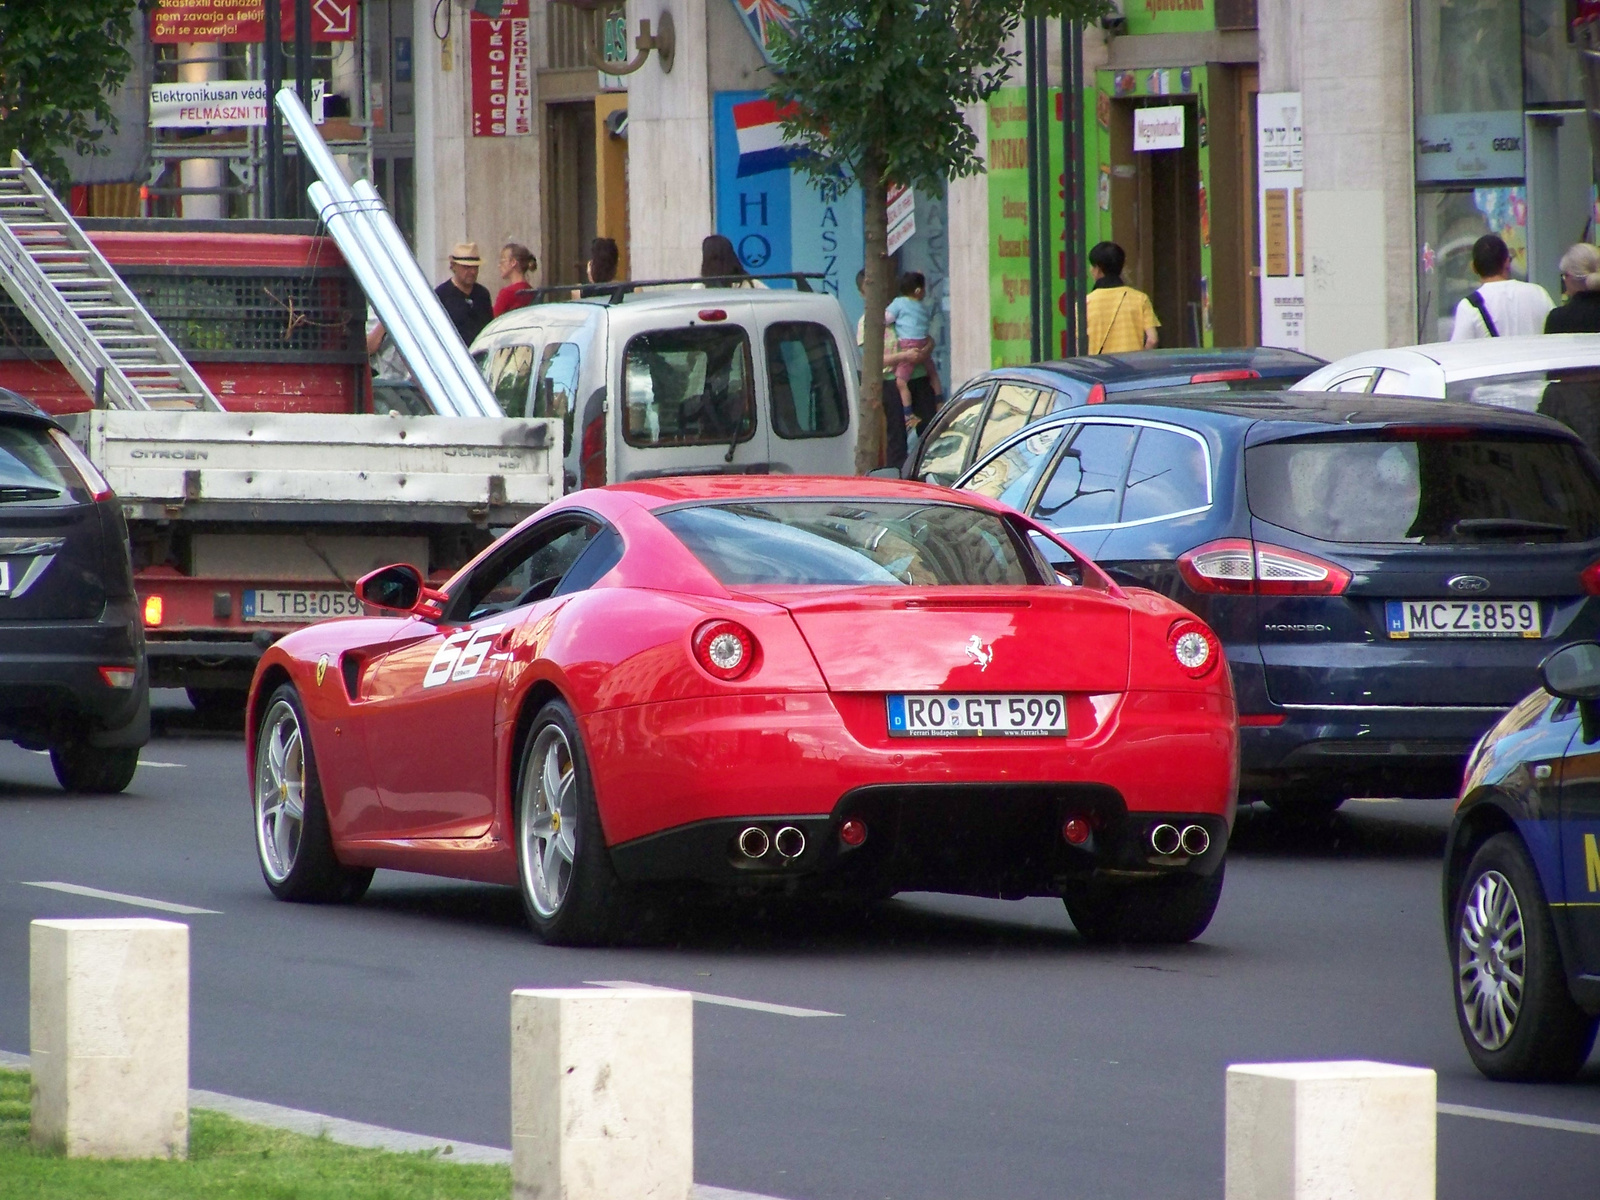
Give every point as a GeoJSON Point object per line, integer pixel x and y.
{"type": "Point", "coordinates": [1238, 566]}
{"type": "Point", "coordinates": [724, 649]}
{"type": "Point", "coordinates": [1194, 647]}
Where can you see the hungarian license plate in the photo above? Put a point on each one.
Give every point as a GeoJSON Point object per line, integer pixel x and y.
{"type": "Point", "coordinates": [285, 605]}
{"type": "Point", "coordinates": [985, 715]}
{"type": "Point", "coordinates": [1463, 618]}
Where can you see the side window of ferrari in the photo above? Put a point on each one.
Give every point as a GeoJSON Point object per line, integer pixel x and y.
{"type": "Point", "coordinates": [528, 570]}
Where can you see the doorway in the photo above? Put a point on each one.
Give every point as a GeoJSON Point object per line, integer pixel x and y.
{"type": "Point", "coordinates": [571, 196]}
{"type": "Point", "coordinates": [1155, 218]}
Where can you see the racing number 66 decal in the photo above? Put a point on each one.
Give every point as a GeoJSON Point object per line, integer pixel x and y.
{"type": "Point", "coordinates": [461, 656]}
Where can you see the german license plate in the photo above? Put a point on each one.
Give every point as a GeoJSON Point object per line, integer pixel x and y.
{"type": "Point", "coordinates": [1463, 618]}
{"type": "Point", "coordinates": [985, 715]}
{"type": "Point", "coordinates": [287, 605]}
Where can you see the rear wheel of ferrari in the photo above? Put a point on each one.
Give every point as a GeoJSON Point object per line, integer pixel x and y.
{"type": "Point", "coordinates": [570, 890]}
{"type": "Point", "coordinates": [1517, 1017]}
{"type": "Point", "coordinates": [1173, 909]}
{"type": "Point", "coordinates": [293, 841]}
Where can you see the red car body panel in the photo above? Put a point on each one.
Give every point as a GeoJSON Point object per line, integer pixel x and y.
{"type": "Point", "coordinates": [423, 778]}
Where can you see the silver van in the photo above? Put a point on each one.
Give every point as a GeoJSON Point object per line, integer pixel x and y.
{"type": "Point", "coordinates": [682, 381]}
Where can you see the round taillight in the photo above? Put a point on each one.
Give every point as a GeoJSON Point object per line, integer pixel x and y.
{"type": "Point", "coordinates": [853, 832]}
{"type": "Point", "coordinates": [1075, 830]}
{"type": "Point", "coordinates": [724, 649]}
{"type": "Point", "coordinates": [1194, 647]}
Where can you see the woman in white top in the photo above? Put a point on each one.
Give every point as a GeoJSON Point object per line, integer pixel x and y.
{"type": "Point", "coordinates": [1502, 306]}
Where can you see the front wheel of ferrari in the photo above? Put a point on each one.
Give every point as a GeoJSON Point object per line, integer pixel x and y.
{"type": "Point", "coordinates": [293, 841]}
{"type": "Point", "coordinates": [1172, 909]}
{"type": "Point", "coordinates": [569, 889]}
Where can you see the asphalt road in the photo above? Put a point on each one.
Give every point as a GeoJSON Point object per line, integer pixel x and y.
{"type": "Point", "coordinates": [983, 1051]}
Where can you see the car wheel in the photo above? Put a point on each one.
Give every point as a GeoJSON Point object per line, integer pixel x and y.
{"type": "Point", "coordinates": [570, 890]}
{"type": "Point", "coordinates": [293, 841]}
{"type": "Point", "coordinates": [100, 770]}
{"type": "Point", "coordinates": [1173, 909]}
{"type": "Point", "coordinates": [1517, 1017]}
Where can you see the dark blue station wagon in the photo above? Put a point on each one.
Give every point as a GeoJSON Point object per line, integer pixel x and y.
{"type": "Point", "coordinates": [1385, 574]}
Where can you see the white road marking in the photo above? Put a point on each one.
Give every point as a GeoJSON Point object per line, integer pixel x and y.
{"type": "Point", "coordinates": [782, 1010]}
{"type": "Point", "coordinates": [1511, 1118]}
{"type": "Point", "coordinates": [143, 762]}
{"type": "Point", "coordinates": [77, 889]}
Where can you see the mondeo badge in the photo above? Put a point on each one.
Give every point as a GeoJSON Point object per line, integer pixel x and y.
{"type": "Point", "coordinates": [979, 653]}
{"type": "Point", "coordinates": [1468, 583]}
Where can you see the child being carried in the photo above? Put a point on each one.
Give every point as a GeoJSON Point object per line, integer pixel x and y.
{"type": "Point", "coordinates": [910, 317]}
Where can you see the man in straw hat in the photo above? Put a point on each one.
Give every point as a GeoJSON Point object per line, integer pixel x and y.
{"type": "Point", "coordinates": [464, 298]}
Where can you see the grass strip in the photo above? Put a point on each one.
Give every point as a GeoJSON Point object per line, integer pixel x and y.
{"type": "Point", "coordinates": [228, 1159]}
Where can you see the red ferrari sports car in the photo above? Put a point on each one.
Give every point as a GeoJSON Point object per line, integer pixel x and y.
{"type": "Point", "coordinates": [852, 685]}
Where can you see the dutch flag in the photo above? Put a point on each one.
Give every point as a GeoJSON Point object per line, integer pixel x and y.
{"type": "Point", "coordinates": [761, 144]}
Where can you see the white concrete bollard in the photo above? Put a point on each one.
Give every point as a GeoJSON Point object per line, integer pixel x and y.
{"type": "Point", "coordinates": [602, 1094]}
{"type": "Point", "coordinates": [108, 1037]}
{"type": "Point", "coordinates": [1330, 1131]}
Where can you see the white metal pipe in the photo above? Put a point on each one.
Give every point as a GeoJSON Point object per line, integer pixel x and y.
{"type": "Point", "coordinates": [340, 221]}
{"type": "Point", "coordinates": [475, 392]}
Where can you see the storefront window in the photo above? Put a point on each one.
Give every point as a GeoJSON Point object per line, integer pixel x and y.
{"type": "Point", "coordinates": [1447, 225]}
{"type": "Point", "coordinates": [1469, 90]}
{"type": "Point", "coordinates": [1549, 60]}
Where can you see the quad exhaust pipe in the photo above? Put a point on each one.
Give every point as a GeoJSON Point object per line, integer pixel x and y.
{"type": "Point", "coordinates": [789, 842]}
{"type": "Point", "coordinates": [1168, 840]}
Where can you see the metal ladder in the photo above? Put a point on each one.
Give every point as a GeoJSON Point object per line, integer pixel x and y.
{"type": "Point", "coordinates": [81, 307]}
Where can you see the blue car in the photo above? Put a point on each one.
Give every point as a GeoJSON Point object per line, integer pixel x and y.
{"type": "Point", "coordinates": [1385, 575]}
{"type": "Point", "coordinates": [1522, 880]}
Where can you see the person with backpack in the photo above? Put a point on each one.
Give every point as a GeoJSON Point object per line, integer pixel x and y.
{"type": "Point", "coordinates": [1501, 306]}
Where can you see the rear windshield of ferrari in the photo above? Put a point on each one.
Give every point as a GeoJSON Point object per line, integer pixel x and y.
{"type": "Point", "coordinates": [862, 543]}
{"type": "Point", "coordinates": [1430, 487]}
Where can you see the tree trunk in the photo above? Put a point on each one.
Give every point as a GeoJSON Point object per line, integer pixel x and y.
{"type": "Point", "coordinates": [876, 292]}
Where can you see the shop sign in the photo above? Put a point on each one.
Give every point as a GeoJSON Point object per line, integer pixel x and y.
{"type": "Point", "coordinates": [246, 21]}
{"type": "Point", "coordinates": [902, 216]}
{"type": "Point", "coordinates": [220, 104]}
{"type": "Point", "coordinates": [1158, 128]}
{"type": "Point", "coordinates": [1469, 146]}
{"type": "Point", "coordinates": [770, 210]}
{"type": "Point", "coordinates": [1280, 200]}
{"type": "Point", "coordinates": [1169, 16]}
{"type": "Point", "coordinates": [502, 72]}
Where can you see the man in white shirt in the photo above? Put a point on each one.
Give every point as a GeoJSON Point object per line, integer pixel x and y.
{"type": "Point", "coordinates": [1502, 306]}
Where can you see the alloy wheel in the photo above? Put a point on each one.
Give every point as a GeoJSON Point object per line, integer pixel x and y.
{"type": "Point", "coordinates": [280, 791]}
{"type": "Point", "coordinates": [549, 816]}
{"type": "Point", "coordinates": [1490, 960]}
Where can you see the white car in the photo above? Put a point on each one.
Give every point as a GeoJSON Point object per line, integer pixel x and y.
{"type": "Point", "coordinates": [683, 381]}
{"type": "Point", "coordinates": [1556, 374]}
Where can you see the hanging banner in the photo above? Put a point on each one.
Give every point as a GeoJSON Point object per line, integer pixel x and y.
{"type": "Point", "coordinates": [220, 104]}
{"type": "Point", "coordinates": [902, 216]}
{"type": "Point", "coordinates": [776, 220]}
{"type": "Point", "coordinates": [502, 73]}
{"type": "Point", "coordinates": [246, 21]}
{"type": "Point", "coordinates": [1158, 128]}
{"type": "Point", "coordinates": [1280, 200]}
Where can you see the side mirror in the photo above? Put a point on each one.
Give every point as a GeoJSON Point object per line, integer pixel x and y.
{"type": "Point", "coordinates": [399, 588]}
{"type": "Point", "coordinates": [1573, 672]}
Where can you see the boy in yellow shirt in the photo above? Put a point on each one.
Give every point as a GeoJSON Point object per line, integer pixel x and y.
{"type": "Point", "coordinates": [1121, 318]}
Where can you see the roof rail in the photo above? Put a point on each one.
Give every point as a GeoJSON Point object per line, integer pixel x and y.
{"type": "Point", "coordinates": [614, 292]}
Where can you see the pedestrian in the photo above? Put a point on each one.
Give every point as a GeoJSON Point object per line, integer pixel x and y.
{"type": "Point", "coordinates": [601, 267]}
{"type": "Point", "coordinates": [900, 415]}
{"type": "Point", "coordinates": [1501, 306]}
{"type": "Point", "coordinates": [1580, 281]}
{"type": "Point", "coordinates": [516, 265]}
{"type": "Point", "coordinates": [383, 356]}
{"type": "Point", "coordinates": [719, 262]}
{"type": "Point", "coordinates": [1121, 319]}
{"type": "Point", "coordinates": [908, 313]}
{"type": "Point", "coordinates": [464, 298]}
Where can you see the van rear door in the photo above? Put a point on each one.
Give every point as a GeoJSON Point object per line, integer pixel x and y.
{"type": "Point", "coordinates": [806, 385]}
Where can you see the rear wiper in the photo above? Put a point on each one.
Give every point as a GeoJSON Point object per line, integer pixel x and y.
{"type": "Point", "coordinates": [15, 493]}
{"type": "Point", "coordinates": [1505, 527]}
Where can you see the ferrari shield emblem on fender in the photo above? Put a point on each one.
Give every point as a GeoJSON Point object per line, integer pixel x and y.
{"type": "Point", "coordinates": [322, 669]}
{"type": "Point", "coordinates": [979, 653]}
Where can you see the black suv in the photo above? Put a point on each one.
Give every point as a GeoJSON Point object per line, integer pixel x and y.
{"type": "Point", "coordinates": [72, 667]}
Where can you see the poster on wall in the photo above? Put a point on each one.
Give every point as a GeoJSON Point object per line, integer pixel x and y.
{"type": "Point", "coordinates": [1280, 170]}
{"type": "Point", "coordinates": [246, 21]}
{"type": "Point", "coordinates": [1010, 274]}
{"type": "Point", "coordinates": [502, 72]}
{"type": "Point", "coordinates": [776, 220]}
